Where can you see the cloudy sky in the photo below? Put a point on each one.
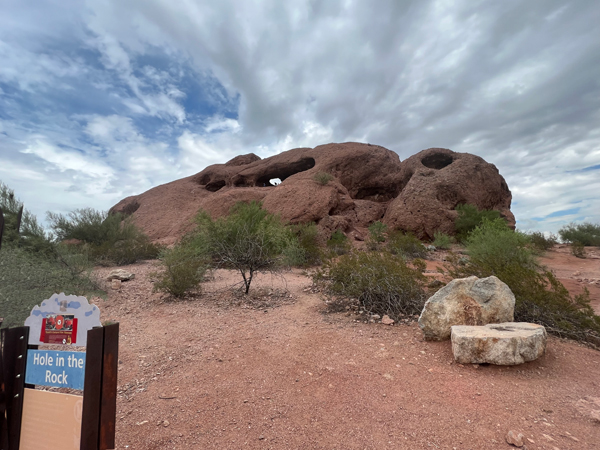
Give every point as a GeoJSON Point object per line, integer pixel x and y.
{"type": "Point", "coordinates": [102, 99]}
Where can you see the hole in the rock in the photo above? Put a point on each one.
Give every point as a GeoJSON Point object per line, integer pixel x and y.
{"type": "Point", "coordinates": [274, 181]}
{"type": "Point", "coordinates": [130, 208]}
{"type": "Point", "coordinates": [283, 171]}
{"type": "Point", "coordinates": [437, 161]}
{"type": "Point", "coordinates": [376, 193]}
{"type": "Point", "coordinates": [215, 185]}
{"type": "Point", "coordinates": [204, 179]}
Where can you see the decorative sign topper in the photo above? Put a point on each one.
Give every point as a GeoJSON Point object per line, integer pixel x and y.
{"type": "Point", "coordinates": [62, 319]}
{"type": "Point", "coordinates": [58, 369]}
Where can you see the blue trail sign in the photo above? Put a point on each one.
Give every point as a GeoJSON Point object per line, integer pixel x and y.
{"type": "Point", "coordinates": [55, 368]}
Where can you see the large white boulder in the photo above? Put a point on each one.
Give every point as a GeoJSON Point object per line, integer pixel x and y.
{"type": "Point", "coordinates": [504, 344]}
{"type": "Point", "coordinates": [466, 301]}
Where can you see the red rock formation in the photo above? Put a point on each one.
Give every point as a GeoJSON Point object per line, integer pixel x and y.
{"type": "Point", "coordinates": [369, 183]}
{"type": "Point", "coordinates": [435, 181]}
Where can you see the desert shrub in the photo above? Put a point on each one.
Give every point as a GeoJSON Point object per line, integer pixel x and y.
{"type": "Point", "coordinates": [541, 242]}
{"type": "Point", "coordinates": [183, 271]}
{"type": "Point", "coordinates": [441, 240]}
{"type": "Point", "coordinates": [338, 243]}
{"type": "Point", "coordinates": [381, 282]}
{"type": "Point", "coordinates": [578, 249]}
{"type": "Point", "coordinates": [249, 240]}
{"type": "Point", "coordinates": [31, 235]}
{"type": "Point", "coordinates": [406, 245]}
{"type": "Point", "coordinates": [109, 238]}
{"type": "Point", "coordinates": [586, 233]}
{"type": "Point", "coordinates": [469, 217]}
{"type": "Point", "coordinates": [27, 278]}
{"type": "Point", "coordinates": [306, 250]}
{"type": "Point", "coordinates": [494, 249]}
{"type": "Point", "coordinates": [323, 178]}
{"type": "Point", "coordinates": [32, 267]}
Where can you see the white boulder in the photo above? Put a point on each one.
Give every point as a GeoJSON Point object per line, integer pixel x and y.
{"type": "Point", "coordinates": [504, 344]}
{"type": "Point", "coordinates": [466, 301]}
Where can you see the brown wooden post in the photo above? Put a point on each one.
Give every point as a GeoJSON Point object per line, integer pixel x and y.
{"type": "Point", "coordinates": [14, 356]}
{"type": "Point", "coordinates": [92, 389]}
{"type": "Point", "coordinates": [108, 407]}
{"type": "Point", "coordinates": [3, 425]}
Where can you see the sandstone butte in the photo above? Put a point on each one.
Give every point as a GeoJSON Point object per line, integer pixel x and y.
{"type": "Point", "coordinates": [369, 183]}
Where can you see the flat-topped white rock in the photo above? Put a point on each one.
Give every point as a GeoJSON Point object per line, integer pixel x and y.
{"type": "Point", "coordinates": [120, 274]}
{"type": "Point", "coordinates": [504, 344]}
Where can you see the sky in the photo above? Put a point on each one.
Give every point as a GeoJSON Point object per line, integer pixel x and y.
{"type": "Point", "coordinates": [103, 99]}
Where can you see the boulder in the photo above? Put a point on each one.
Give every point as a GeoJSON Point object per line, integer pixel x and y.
{"type": "Point", "coordinates": [121, 275]}
{"type": "Point", "coordinates": [466, 301]}
{"type": "Point", "coordinates": [435, 181]}
{"type": "Point", "coordinates": [369, 184]}
{"type": "Point", "coordinates": [363, 173]}
{"type": "Point", "coordinates": [504, 344]}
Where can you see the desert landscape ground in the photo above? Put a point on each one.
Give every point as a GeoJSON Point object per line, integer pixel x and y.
{"type": "Point", "coordinates": [277, 372]}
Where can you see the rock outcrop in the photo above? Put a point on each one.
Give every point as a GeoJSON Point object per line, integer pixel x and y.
{"type": "Point", "coordinates": [466, 301]}
{"type": "Point", "coordinates": [435, 181]}
{"type": "Point", "coordinates": [504, 344]}
{"type": "Point", "coordinates": [369, 184]}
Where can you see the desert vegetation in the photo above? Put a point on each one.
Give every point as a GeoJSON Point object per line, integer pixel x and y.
{"type": "Point", "coordinates": [469, 217]}
{"type": "Point", "coordinates": [323, 178]}
{"type": "Point", "coordinates": [586, 234]}
{"type": "Point", "coordinates": [249, 240]}
{"type": "Point", "coordinates": [109, 239]}
{"type": "Point", "coordinates": [495, 249]}
{"type": "Point", "coordinates": [384, 278]}
{"type": "Point", "coordinates": [381, 282]}
{"type": "Point", "coordinates": [34, 264]}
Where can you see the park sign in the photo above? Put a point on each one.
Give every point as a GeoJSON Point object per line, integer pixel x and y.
{"type": "Point", "coordinates": [62, 319]}
{"type": "Point", "coordinates": [55, 369]}
{"type": "Point", "coordinates": [81, 418]}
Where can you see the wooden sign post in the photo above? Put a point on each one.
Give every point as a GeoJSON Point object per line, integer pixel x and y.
{"type": "Point", "coordinates": [36, 419]}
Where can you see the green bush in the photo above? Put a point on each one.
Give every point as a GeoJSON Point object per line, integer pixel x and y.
{"type": "Point", "coordinates": [469, 217]}
{"type": "Point", "coordinates": [586, 233]}
{"type": "Point", "coordinates": [541, 242]}
{"type": "Point", "coordinates": [183, 271]}
{"type": "Point", "coordinates": [381, 282]}
{"type": "Point", "coordinates": [406, 245]}
{"type": "Point", "coordinates": [441, 240]}
{"type": "Point", "coordinates": [494, 249]}
{"type": "Point", "coordinates": [323, 178]}
{"type": "Point", "coordinates": [578, 249]}
{"type": "Point", "coordinates": [249, 240]}
{"type": "Point", "coordinates": [306, 251]}
{"type": "Point", "coordinates": [109, 238]}
{"type": "Point", "coordinates": [377, 231]}
{"type": "Point", "coordinates": [338, 243]}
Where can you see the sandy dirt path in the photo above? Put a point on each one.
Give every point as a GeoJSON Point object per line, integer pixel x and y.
{"type": "Point", "coordinates": [202, 375]}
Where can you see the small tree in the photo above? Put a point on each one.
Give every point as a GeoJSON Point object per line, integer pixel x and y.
{"type": "Point", "coordinates": [249, 240]}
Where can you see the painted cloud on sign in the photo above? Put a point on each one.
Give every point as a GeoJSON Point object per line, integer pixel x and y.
{"type": "Point", "coordinates": [88, 316]}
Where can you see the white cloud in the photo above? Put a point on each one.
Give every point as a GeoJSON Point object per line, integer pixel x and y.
{"type": "Point", "coordinates": [514, 84]}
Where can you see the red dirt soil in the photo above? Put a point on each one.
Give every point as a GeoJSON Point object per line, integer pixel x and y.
{"type": "Point", "coordinates": [207, 374]}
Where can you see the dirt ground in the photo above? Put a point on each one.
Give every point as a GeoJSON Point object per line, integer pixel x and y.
{"type": "Point", "coordinates": [210, 374]}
